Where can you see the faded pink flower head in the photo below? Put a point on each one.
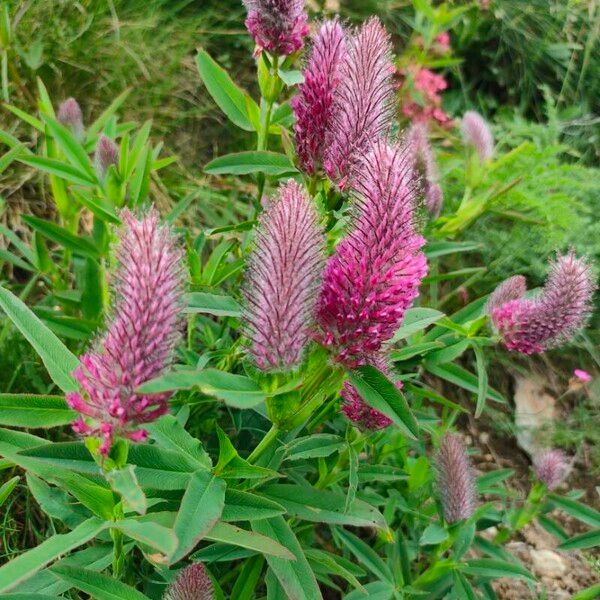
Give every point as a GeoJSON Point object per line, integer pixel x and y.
{"type": "Point", "coordinates": [278, 26]}
{"type": "Point", "coordinates": [375, 273]}
{"type": "Point", "coordinates": [140, 338]}
{"type": "Point", "coordinates": [582, 375]}
{"type": "Point", "coordinates": [69, 115]}
{"type": "Point", "coordinates": [362, 105]}
{"type": "Point", "coordinates": [356, 409]}
{"type": "Point", "coordinates": [313, 105]}
{"type": "Point", "coordinates": [477, 133]}
{"type": "Point", "coordinates": [531, 325]}
{"type": "Point", "coordinates": [107, 154]}
{"type": "Point", "coordinates": [425, 167]}
{"type": "Point", "coordinates": [283, 278]}
{"type": "Point", "coordinates": [442, 43]}
{"type": "Point", "coordinates": [192, 583]}
{"type": "Point", "coordinates": [551, 468]}
{"type": "Point", "coordinates": [426, 104]}
{"type": "Point", "coordinates": [455, 480]}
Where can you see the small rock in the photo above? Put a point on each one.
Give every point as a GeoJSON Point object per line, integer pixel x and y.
{"type": "Point", "coordinates": [490, 533]}
{"type": "Point", "coordinates": [484, 437]}
{"type": "Point", "coordinates": [547, 563]}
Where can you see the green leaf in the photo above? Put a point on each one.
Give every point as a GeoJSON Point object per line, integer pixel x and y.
{"type": "Point", "coordinates": [253, 161]}
{"type": "Point", "coordinates": [200, 509]}
{"type": "Point", "coordinates": [463, 588]}
{"type": "Point", "coordinates": [6, 489]}
{"type": "Point", "coordinates": [416, 319]}
{"type": "Point", "coordinates": [25, 565]}
{"type": "Point", "coordinates": [97, 585]}
{"type": "Point", "coordinates": [59, 168]}
{"type": "Point", "coordinates": [365, 555]}
{"type": "Point", "coordinates": [433, 534]}
{"type": "Point", "coordinates": [97, 498]}
{"type": "Point", "coordinates": [585, 540]}
{"type": "Point", "coordinates": [317, 445]}
{"type": "Point", "coordinates": [58, 234]}
{"type": "Point", "coordinates": [235, 390]}
{"type": "Point", "coordinates": [377, 590]}
{"type": "Point", "coordinates": [235, 536]}
{"type": "Point", "coordinates": [26, 410]}
{"type": "Point", "coordinates": [323, 506]}
{"type": "Point", "coordinates": [124, 482]}
{"type": "Point", "coordinates": [212, 304]}
{"type": "Point", "coordinates": [29, 597]}
{"type": "Point", "coordinates": [291, 78]}
{"type": "Point", "coordinates": [591, 593]}
{"type": "Point", "coordinates": [581, 512]}
{"type": "Point", "coordinates": [296, 577]}
{"type": "Point", "coordinates": [98, 125]}
{"type": "Point", "coordinates": [488, 568]}
{"type": "Point", "coordinates": [149, 534]}
{"type": "Point", "coordinates": [243, 506]}
{"type": "Point", "coordinates": [59, 361]}
{"type": "Point", "coordinates": [381, 394]}
{"type": "Point", "coordinates": [482, 380]}
{"type": "Point", "coordinates": [414, 350]}
{"type": "Point", "coordinates": [233, 101]}
{"type": "Point", "coordinates": [437, 249]}
{"type": "Point", "coordinates": [448, 354]}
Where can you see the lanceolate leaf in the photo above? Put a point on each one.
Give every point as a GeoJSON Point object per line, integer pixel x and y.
{"type": "Point", "coordinates": [212, 304]}
{"type": "Point", "coordinates": [254, 161]}
{"type": "Point", "coordinates": [24, 410]}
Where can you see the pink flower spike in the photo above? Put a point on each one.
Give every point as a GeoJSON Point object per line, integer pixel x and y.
{"type": "Point", "coordinates": [363, 103]}
{"type": "Point", "coordinates": [192, 583]}
{"type": "Point", "coordinates": [455, 480]}
{"type": "Point", "coordinates": [532, 325]}
{"type": "Point", "coordinates": [107, 154]}
{"type": "Point", "coordinates": [140, 338]}
{"type": "Point", "coordinates": [375, 273]}
{"type": "Point", "coordinates": [551, 468]}
{"type": "Point", "coordinates": [69, 115]}
{"type": "Point", "coordinates": [477, 133]}
{"type": "Point", "coordinates": [283, 278]}
{"type": "Point", "coordinates": [278, 26]}
{"type": "Point", "coordinates": [313, 105]}
{"type": "Point", "coordinates": [582, 375]}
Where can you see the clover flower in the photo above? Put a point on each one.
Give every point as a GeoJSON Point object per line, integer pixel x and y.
{"type": "Point", "coordinates": [362, 105]}
{"type": "Point", "coordinates": [69, 115]}
{"type": "Point", "coordinates": [107, 154]}
{"type": "Point", "coordinates": [375, 272]}
{"type": "Point", "coordinates": [532, 325]}
{"type": "Point", "coordinates": [140, 338]}
{"type": "Point", "coordinates": [455, 480]}
{"type": "Point", "coordinates": [283, 279]}
{"type": "Point", "coordinates": [477, 133]}
{"type": "Point", "coordinates": [422, 101]}
{"type": "Point", "coordinates": [192, 583]}
{"type": "Point", "coordinates": [551, 468]}
{"type": "Point", "coordinates": [313, 105]}
{"type": "Point", "coordinates": [278, 26]}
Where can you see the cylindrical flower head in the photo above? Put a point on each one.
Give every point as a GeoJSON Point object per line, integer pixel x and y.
{"type": "Point", "coordinates": [193, 583]}
{"type": "Point", "coordinates": [362, 105]}
{"type": "Point", "coordinates": [69, 115]}
{"type": "Point", "coordinates": [375, 273]}
{"type": "Point", "coordinates": [476, 132]}
{"type": "Point", "coordinates": [107, 154]}
{"type": "Point", "coordinates": [425, 167]}
{"type": "Point", "coordinates": [551, 468]}
{"type": "Point", "coordinates": [356, 409]}
{"type": "Point", "coordinates": [531, 325]}
{"type": "Point", "coordinates": [313, 105]}
{"type": "Point", "coordinates": [140, 337]}
{"type": "Point", "coordinates": [283, 278]}
{"type": "Point", "coordinates": [455, 480]}
{"type": "Point", "coordinates": [278, 26]}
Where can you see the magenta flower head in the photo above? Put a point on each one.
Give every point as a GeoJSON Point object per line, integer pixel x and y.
{"type": "Point", "coordinates": [425, 167]}
{"type": "Point", "coordinates": [582, 375]}
{"type": "Point", "coordinates": [107, 154]}
{"type": "Point", "coordinates": [193, 583]}
{"type": "Point", "coordinates": [313, 105]}
{"type": "Point", "coordinates": [278, 26]}
{"type": "Point", "coordinates": [362, 106]}
{"type": "Point", "coordinates": [477, 133]}
{"type": "Point", "coordinates": [455, 480]}
{"type": "Point", "coordinates": [283, 278]}
{"type": "Point", "coordinates": [356, 409]}
{"type": "Point", "coordinates": [140, 337]}
{"type": "Point", "coordinates": [531, 325]}
{"type": "Point", "coordinates": [551, 468]}
{"type": "Point", "coordinates": [69, 115]}
{"type": "Point", "coordinates": [375, 272]}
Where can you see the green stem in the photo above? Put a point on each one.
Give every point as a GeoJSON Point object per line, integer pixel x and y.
{"type": "Point", "coordinates": [118, 556]}
{"type": "Point", "coordinates": [264, 444]}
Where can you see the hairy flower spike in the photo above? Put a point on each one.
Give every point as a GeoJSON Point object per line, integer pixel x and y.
{"type": "Point", "coordinates": [455, 480]}
{"type": "Point", "coordinates": [107, 154]}
{"type": "Point", "coordinates": [313, 105]}
{"type": "Point", "coordinates": [551, 468]}
{"type": "Point", "coordinates": [192, 583]}
{"type": "Point", "coordinates": [69, 115]}
{"type": "Point", "coordinates": [278, 26]}
{"type": "Point", "coordinates": [425, 167]}
{"type": "Point", "coordinates": [140, 337]}
{"type": "Point", "coordinates": [476, 132]}
{"type": "Point", "coordinates": [375, 272]}
{"type": "Point", "coordinates": [362, 106]}
{"type": "Point", "coordinates": [531, 325]}
{"type": "Point", "coordinates": [283, 277]}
